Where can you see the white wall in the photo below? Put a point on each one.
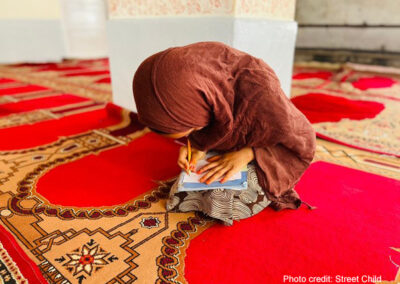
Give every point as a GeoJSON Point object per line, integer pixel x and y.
{"type": "Point", "coordinates": [371, 25]}
{"type": "Point", "coordinates": [25, 40]}
{"type": "Point", "coordinates": [30, 31]}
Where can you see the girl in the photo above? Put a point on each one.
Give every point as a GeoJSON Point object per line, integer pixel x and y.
{"type": "Point", "coordinates": [228, 101]}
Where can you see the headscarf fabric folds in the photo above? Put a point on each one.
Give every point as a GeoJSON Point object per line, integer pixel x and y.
{"type": "Point", "coordinates": [237, 101]}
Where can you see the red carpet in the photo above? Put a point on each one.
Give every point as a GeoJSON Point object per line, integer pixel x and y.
{"type": "Point", "coordinates": [350, 233]}
{"type": "Point", "coordinates": [22, 89]}
{"type": "Point", "coordinates": [47, 131]}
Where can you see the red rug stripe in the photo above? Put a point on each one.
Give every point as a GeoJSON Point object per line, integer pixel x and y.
{"type": "Point", "coordinates": [23, 89]}
{"type": "Point", "coordinates": [325, 75]}
{"type": "Point", "coordinates": [350, 234]}
{"type": "Point", "coordinates": [26, 266]}
{"type": "Point", "coordinates": [6, 80]}
{"type": "Point", "coordinates": [104, 80]}
{"type": "Point", "coordinates": [39, 103]}
{"type": "Point", "coordinates": [51, 130]}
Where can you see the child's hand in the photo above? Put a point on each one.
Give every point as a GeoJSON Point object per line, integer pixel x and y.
{"type": "Point", "coordinates": [183, 158]}
{"type": "Point", "coordinates": [226, 165]}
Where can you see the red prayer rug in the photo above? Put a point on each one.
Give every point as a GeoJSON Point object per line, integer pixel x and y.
{"type": "Point", "coordinates": [347, 235]}
{"type": "Point", "coordinates": [356, 105]}
{"type": "Point", "coordinates": [84, 186]}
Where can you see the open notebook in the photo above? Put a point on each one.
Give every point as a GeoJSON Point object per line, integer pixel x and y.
{"type": "Point", "coordinates": [192, 182]}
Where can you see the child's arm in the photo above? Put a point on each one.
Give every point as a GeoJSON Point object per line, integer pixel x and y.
{"type": "Point", "coordinates": [226, 165]}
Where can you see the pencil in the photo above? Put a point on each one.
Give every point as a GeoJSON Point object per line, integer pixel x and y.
{"type": "Point", "coordinates": [189, 153]}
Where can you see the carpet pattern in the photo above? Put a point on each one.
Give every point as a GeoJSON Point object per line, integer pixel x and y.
{"type": "Point", "coordinates": [352, 104]}
{"type": "Point", "coordinates": [89, 78]}
{"type": "Point", "coordinates": [83, 188]}
{"type": "Point", "coordinates": [35, 210]}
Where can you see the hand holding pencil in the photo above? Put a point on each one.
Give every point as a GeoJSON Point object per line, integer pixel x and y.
{"type": "Point", "coordinates": [188, 157]}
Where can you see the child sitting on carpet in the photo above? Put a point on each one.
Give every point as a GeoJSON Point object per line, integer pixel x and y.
{"type": "Point", "coordinates": [226, 100]}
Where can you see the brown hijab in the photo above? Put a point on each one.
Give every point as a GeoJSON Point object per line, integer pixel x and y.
{"type": "Point", "coordinates": [238, 101]}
